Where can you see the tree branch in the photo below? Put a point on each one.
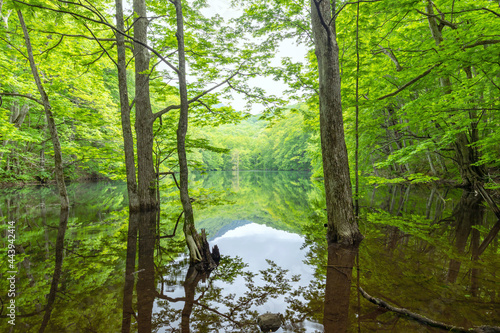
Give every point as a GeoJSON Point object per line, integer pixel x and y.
{"type": "Point", "coordinates": [20, 95]}
{"type": "Point", "coordinates": [100, 21]}
{"type": "Point", "coordinates": [409, 83]}
{"type": "Point", "coordinates": [482, 42]}
{"type": "Point", "coordinates": [195, 99]}
{"type": "Point", "coordinates": [390, 54]}
{"type": "Point", "coordinates": [440, 19]}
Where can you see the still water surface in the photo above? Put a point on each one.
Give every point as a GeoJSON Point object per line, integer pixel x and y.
{"type": "Point", "coordinates": [423, 250]}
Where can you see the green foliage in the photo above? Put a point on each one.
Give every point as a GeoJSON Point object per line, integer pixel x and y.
{"type": "Point", "coordinates": [281, 145]}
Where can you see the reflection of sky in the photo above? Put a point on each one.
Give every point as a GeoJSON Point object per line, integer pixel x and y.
{"type": "Point", "coordinates": [255, 243]}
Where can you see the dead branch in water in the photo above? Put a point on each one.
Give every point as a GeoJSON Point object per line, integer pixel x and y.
{"type": "Point", "coordinates": [425, 320]}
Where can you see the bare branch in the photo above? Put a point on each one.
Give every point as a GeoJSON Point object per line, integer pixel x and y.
{"type": "Point", "coordinates": [102, 47]}
{"type": "Point", "coordinates": [440, 19]}
{"type": "Point", "coordinates": [390, 54]}
{"type": "Point", "coordinates": [409, 83]}
{"type": "Point", "coordinates": [195, 99]}
{"type": "Point", "coordinates": [482, 42]}
{"type": "Point", "coordinates": [100, 21]}
{"type": "Point", "coordinates": [422, 319]}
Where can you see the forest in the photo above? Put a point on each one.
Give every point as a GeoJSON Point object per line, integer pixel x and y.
{"type": "Point", "coordinates": [383, 145]}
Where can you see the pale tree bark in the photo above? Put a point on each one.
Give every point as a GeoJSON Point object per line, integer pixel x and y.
{"type": "Point", "coordinates": [128, 139]}
{"type": "Point", "coordinates": [342, 226]}
{"type": "Point", "coordinates": [59, 171]}
{"type": "Point", "coordinates": [143, 112]}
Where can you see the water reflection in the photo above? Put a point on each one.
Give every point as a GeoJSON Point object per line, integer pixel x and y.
{"type": "Point", "coordinates": [423, 251]}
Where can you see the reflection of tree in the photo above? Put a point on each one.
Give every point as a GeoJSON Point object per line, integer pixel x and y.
{"type": "Point", "coordinates": [210, 309]}
{"type": "Point", "coordinates": [468, 213]}
{"type": "Point", "coordinates": [61, 231]}
{"type": "Point", "coordinates": [128, 288]}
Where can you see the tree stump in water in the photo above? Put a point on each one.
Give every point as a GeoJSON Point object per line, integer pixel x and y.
{"type": "Point", "coordinates": [210, 259]}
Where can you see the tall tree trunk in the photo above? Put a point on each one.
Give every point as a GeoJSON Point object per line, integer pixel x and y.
{"type": "Point", "coordinates": [192, 237]}
{"type": "Point", "coordinates": [128, 139]}
{"type": "Point", "coordinates": [59, 171]}
{"type": "Point", "coordinates": [342, 226]}
{"type": "Point", "coordinates": [143, 112]}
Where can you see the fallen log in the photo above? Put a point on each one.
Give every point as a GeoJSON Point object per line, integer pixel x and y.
{"type": "Point", "coordinates": [427, 321]}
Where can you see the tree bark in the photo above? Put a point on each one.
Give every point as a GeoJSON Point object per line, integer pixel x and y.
{"type": "Point", "coordinates": [192, 237]}
{"type": "Point", "coordinates": [59, 171]}
{"type": "Point", "coordinates": [143, 112]}
{"type": "Point", "coordinates": [128, 140]}
{"type": "Point", "coordinates": [342, 226]}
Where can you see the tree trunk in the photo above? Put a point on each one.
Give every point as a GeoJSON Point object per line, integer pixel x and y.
{"type": "Point", "coordinates": [128, 140]}
{"type": "Point", "coordinates": [143, 112]}
{"type": "Point", "coordinates": [342, 226]}
{"type": "Point", "coordinates": [192, 237]}
{"type": "Point", "coordinates": [59, 171]}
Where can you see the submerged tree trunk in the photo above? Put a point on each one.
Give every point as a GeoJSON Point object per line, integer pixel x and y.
{"type": "Point", "coordinates": [146, 288]}
{"type": "Point", "coordinates": [467, 213]}
{"type": "Point", "coordinates": [59, 171]}
{"type": "Point", "coordinates": [144, 115]}
{"type": "Point", "coordinates": [342, 226]}
{"type": "Point", "coordinates": [193, 276]}
{"type": "Point", "coordinates": [128, 288]}
{"type": "Point", "coordinates": [338, 287]}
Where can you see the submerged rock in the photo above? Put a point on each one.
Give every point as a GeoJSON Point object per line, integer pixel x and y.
{"type": "Point", "coordinates": [269, 322]}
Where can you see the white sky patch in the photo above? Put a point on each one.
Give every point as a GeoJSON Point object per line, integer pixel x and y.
{"type": "Point", "coordinates": [287, 49]}
{"type": "Point", "coordinates": [261, 231]}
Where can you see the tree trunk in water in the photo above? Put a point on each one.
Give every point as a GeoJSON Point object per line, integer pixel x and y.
{"type": "Point", "coordinates": [190, 284]}
{"type": "Point", "coordinates": [59, 171]}
{"type": "Point", "coordinates": [143, 112]}
{"type": "Point", "coordinates": [338, 287]}
{"type": "Point", "coordinates": [56, 276]}
{"type": "Point", "coordinates": [146, 288]}
{"type": "Point", "coordinates": [128, 288]}
{"type": "Point", "coordinates": [342, 226]}
{"type": "Point", "coordinates": [467, 213]}
{"type": "Point", "coordinates": [128, 140]}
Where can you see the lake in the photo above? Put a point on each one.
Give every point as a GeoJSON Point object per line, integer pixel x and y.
{"type": "Point", "coordinates": [424, 250]}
